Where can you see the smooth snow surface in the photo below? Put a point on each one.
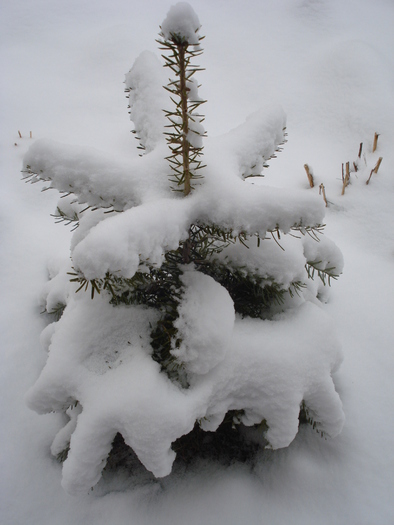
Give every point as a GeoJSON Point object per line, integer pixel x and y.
{"type": "Point", "coordinates": [330, 65]}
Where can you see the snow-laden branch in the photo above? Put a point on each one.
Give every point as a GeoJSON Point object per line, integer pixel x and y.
{"type": "Point", "coordinates": [120, 243]}
{"type": "Point", "coordinates": [255, 141]}
{"type": "Point", "coordinates": [142, 234]}
{"type": "Point", "coordinates": [92, 177]}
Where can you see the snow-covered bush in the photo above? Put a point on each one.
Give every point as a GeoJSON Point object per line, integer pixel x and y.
{"type": "Point", "coordinates": [200, 300]}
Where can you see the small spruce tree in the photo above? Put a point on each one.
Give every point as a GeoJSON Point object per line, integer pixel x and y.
{"type": "Point", "coordinates": [194, 316]}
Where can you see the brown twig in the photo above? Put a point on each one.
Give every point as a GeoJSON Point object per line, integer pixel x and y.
{"type": "Point", "coordinates": [322, 191]}
{"type": "Point", "coordinates": [360, 150]}
{"type": "Point", "coordinates": [309, 175]}
{"type": "Point", "coordinates": [375, 142]}
{"type": "Point", "coordinates": [375, 169]}
{"type": "Point", "coordinates": [20, 134]}
{"type": "Point", "coordinates": [346, 179]}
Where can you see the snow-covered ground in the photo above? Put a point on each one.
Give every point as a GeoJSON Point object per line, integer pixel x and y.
{"type": "Point", "coordinates": [330, 64]}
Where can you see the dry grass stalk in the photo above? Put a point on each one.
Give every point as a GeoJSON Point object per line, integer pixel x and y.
{"type": "Point", "coordinates": [20, 134]}
{"type": "Point", "coordinates": [375, 169]}
{"type": "Point", "coordinates": [346, 179]}
{"type": "Point", "coordinates": [309, 175]}
{"type": "Point", "coordinates": [375, 142]}
{"type": "Point", "coordinates": [31, 135]}
{"type": "Point", "coordinates": [360, 150]}
{"type": "Point", "coordinates": [322, 191]}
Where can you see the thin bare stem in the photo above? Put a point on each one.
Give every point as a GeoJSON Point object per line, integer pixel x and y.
{"type": "Point", "coordinates": [375, 142]}
{"type": "Point", "coordinates": [322, 191]}
{"type": "Point", "coordinates": [375, 169]}
{"type": "Point", "coordinates": [309, 175]}
{"type": "Point", "coordinates": [346, 179]}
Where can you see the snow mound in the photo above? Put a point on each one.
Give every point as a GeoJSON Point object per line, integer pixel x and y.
{"type": "Point", "coordinates": [100, 356]}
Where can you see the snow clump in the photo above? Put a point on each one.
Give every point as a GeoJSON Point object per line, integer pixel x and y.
{"type": "Point", "coordinates": [182, 22]}
{"type": "Point", "coordinates": [205, 323]}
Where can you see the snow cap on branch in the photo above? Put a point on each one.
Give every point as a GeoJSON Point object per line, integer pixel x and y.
{"type": "Point", "coordinates": [144, 82]}
{"type": "Point", "coordinates": [181, 21]}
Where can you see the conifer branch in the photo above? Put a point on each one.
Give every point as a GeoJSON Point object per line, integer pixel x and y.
{"type": "Point", "coordinates": [324, 274]}
{"type": "Point", "coordinates": [61, 216]}
{"type": "Point", "coordinates": [184, 158]}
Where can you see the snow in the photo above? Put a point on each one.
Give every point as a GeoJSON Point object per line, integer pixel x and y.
{"type": "Point", "coordinates": [100, 356]}
{"type": "Point", "coordinates": [195, 133]}
{"type": "Point", "coordinates": [182, 21]}
{"type": "Point", "coordinates": [147, 98]}
{"type": "Point", "coordinates": [150, 223]}
{"type": "Point", "coordinates": [254, 142]}
{"type": "Point", "coordinates": [336, 93]}
{"type": "Point", "coordinates": [119, 243]}
{"type": "Point", "coordinates": [86, 174]}
{"type": "Point", "coordinates": [205, 323]}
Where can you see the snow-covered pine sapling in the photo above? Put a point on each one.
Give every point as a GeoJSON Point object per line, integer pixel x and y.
{"type": "Point", "coordinates": [198, 315]}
